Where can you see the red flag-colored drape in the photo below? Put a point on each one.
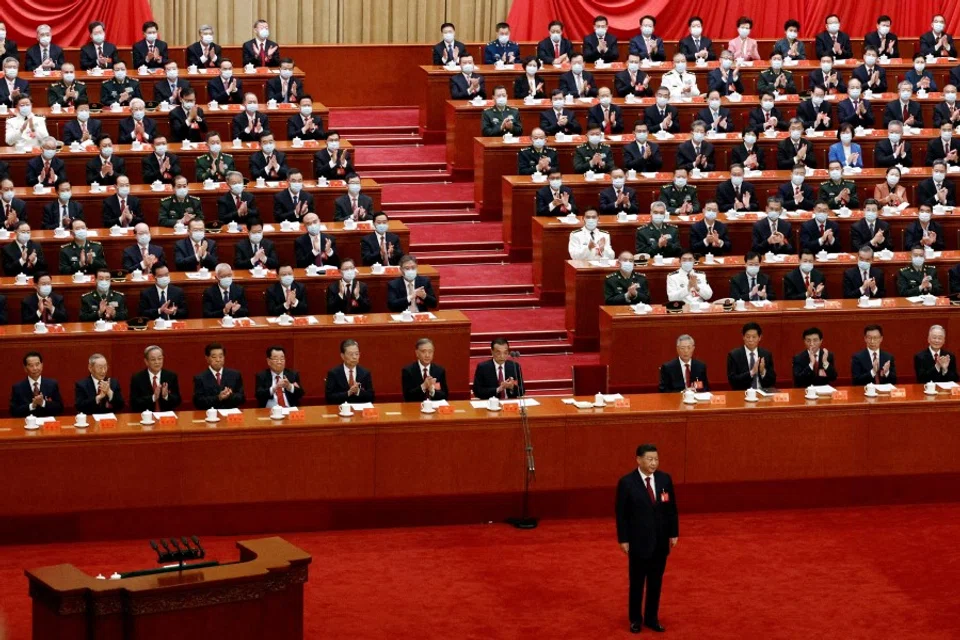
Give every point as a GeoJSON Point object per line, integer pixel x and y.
{"type": "Point", "coordinates": [69, 20]}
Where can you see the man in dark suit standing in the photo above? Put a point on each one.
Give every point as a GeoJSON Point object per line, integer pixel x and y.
{"type": "Point", "coordinates": [97, 393]}
{"type": "Point", "coordinates": [449, 50]}
{"type": "Point", "coordinates": [44, 55]}
{"type": "Point", "coordinates": [260, 51]}
{"type": "Point", "coordinates": [237, 204]}
{"type": "Point", "coordinates": [172, 88]}
{"type": "Point", "coordinates": [276, 385]}
{"type": "Point", "coordinates": [225, 88]}
{"type": "Point", "coordinates": [195, 252]}
{"type": "Point", "coordinates": [187, 121]}
{"type": "Point", "coordinates": [498, 377]}
{"type": "Point", "coordinates": [249, 124]}
{"type": "Point", "coordinates": [35, 395]}
{"type": "Point", "coordinates": [46, 307]}
{"type": "Point", "coordinates": [205, 53]}
{"type": "Point", "coordinates": [284, 87]}
{"type": "Point", "coordinates": [381, 245]}
{"type": "Point", "coordinates": [255, 249]}
{"type": "Point", "coordinates": [684, 372]}
{"type": "Point", "coordinates": [163, 299]}
{"type": "Point", "coordinates": [217, 387]}
{"type": "Point", "coordinates": [349, 382]}
{"type": "Point", "coordinates": [751, 366]}
{"type": "Point", "coordinates": [293, 203]}
{"type": "Point", "coordinates": [806, 281]}
{"type": "Point", "coordinates": [648, 528]}
{"type": "Point", "coordinates": [154, 388]}
{"type": "Point", "coordinates": [332, 162]}
{"type": "Point", "coordinates": [937, 189]}
{"type": "Point", "coordinates": [814, 365]}
{"type": "Point", "coordinates": [600, 45]}
{"type": "Point", "coordinates": [935, 364]}
{"type": "Point", "coordinates": [872, 364]}
{"type": "Point", "coordinates": [286, 295]}
{"type": "Point", "coordinates": [410, 291]}
{"type": "Point", "coordinates": [423, 379]}
{"type": "Point", "coordinates": [554, 49]}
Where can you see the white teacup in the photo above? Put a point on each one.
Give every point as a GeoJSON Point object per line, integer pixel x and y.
{"type": "Point", "coordinates": [599, 401]}
{"type": "Point", "coordinates": [349, 224]}
{"type": "Point", "coordinates": [137, 275]}
{"type": "Point", "coordinates": [212, 415]}
{"type": "Point", "coordinates": [750, 395]}
{"type": "Point", "coordinates": [80, 420]}
{"type": "Point", "coordinates": [346, 409]}
{"type": "Point", "coordinates": [740, 305]}
{"type": "Point", "coordinates": [407, 315]}
{"type": "Point", "coordinates": [811, 393]}
{"type": "Point", "coordinates": [40, 328]}
{"type": "Point", "coordinates": [160, 323]}
{"type": "Point", "coordinates": [689, 397]}
{"type": "Point", "coordinates": [493, 404]}
{"type": "Point", "coordinates": [233, 227]}
{"type": "Point", "coordinates": [658, 260]}
{"type": "Point", "coordinates": [863, 301]}
{"type": "Point", "coordinates": [100, 325]}
{"type": "Point", "coordinates": [31, 422]}
{"type": "Point", "coordinates": [622, 216]}
{"type": "Point", "coordinates": [930, 388]}
{"type": "Point", "coordinates": [339, 317]}
{"type": "Point", "coordinates": [810, 303]}
{"type": "Point", "coordinates": [21, 278]}
{"type": "Point", "coordinates": [276, 412]}
{"type": "Point", "coordinates": [427, 406]}
{"type": "Point", "coordinates": [228, 321]}
{"type": "Point", "coordinates": [870, 390]}
{"type": "Point", "coordinates": [146, 417]}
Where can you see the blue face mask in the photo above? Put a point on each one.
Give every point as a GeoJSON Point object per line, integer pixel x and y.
{"type": "Point", "coordinates": [103, 286]}
{"type": "Point", "coordinates": [590, 224]}
{"type": "Point", "coordinates": [286, 280]}
{"type": "Point", "coordinates": [753, 270]}
{"type": "Point", "coordinates": [381, 228]}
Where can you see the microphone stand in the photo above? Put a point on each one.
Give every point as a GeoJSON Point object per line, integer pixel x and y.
{"type": "Point", "coordinates": [525, 521]}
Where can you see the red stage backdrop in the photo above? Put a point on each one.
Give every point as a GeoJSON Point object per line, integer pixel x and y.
{"type": "Point", "coordinates": [69, 20]}
{"type": "Point", "coordinates": [529, 18]}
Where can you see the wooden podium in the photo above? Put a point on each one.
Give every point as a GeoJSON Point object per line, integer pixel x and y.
{"type": "Point", "coordinates": [260, 596]}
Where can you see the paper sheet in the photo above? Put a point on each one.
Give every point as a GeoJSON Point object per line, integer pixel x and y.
{"type": "Point", "coordinates": [104, 416]}
{"type": "Point", "coordinates": [824, 390]}
{"type": "Point", "coordinates": [947, 385]}
{"type": "Point", "coordinates": [164, 414]}
{"type": "Point", "coordinates": [885, 388]}
{"type": "Point", "coordinates": [228, 412]}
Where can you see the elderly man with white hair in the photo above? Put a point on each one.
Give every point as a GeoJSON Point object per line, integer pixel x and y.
{"type": "Point", "coordinates": [935, 364]}
{"type": "Point", "coordinates": [44, 55]}
{"type": "Point", "coordinates": [225, 298]}
{"type": "Point", "coordinates": [98, 393]}
{"type": "Point", "coordinates": [138, 127]}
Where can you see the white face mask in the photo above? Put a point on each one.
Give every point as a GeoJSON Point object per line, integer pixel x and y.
{"type": "Point", "coordinates": [687, 266]}
{"type": "Point", "coordinates": [766, 105]}
{"type": "Point", "coordinates": [226, 74]}
{"type": "Point", "coordinates": [590, 223]}
{"type": "Point", "coordinates": [680, 66]}
{"type": "Point", "coordinates": [556, 37]}
{"type": "Point", "coordinates": [938, 176]}
{"type": "Point", "coordinates": [215, 148]}
{"type": "Point", "coordinates": [820, 217]}
{"type": "Point", "coordinates": [662, 101]}
{"type": "Point", "coordinates": [123, 192]}
{"type": "Point", "coordinates": [501, 101]}
{"type": "Point", "coordinates": [776, 64]}
{"type": "Point", "coordinates": [853, 93]}
{"type": "Point", "coordinates": [883, 30]}
{"type": "Point", "coordinates": [594, 139]}
{"type": "Point", "coordinates": [905, 95]}
{"type": "Point", "coordinates": [172, 74]}
{"type": "Point", "coordinates": [736, 180]}
{"type": "Point", "coordinates": [349, 275]}
{"type": "Point", "coordinates": [726, 63]}
{"type": "Point", "coordinates": [744, 32]}
{"type": "Point", "coordinates": [69, 77]}
{"type": "Point", "coordinates": [950, 97]}
{"type": "Point", "coordinates": [532, 70]}
{"type": "Point", "coordinates": [894, 137]}
{"type": "Point", "coordinates": [698, 136]}
{"type": "Point", "coordinates": [120, 75]}
{"type": "Point", "coordinates": [870, 216]}
{"type": "Point", "coordinates": [641, 136]}
{"type": "Point", "coordinates": [797, 179]}
{"type": "Point", "coordinates": [539, 143]}
{"type": "Point", "coordinates": [558, 105]}
{"type": "Point", "coordinates": [647, 31]}
{"type": "Point", "coordinates": [696, 32]}
{"type": "Point", "coordinates": [924, 216]}
{"type": "Point", "coordinates": [577, 68]}
{"type": "Point", "coordinates": [83, 116]}
{"type": "Point", "coordinates": [870, 60]}
{"type": "Point", "coordinates": [161, 149]}
{"type": "Point", "coordinates": [835, 174]}
{"type": "Point", "coordinates": [749, 140]}
{"type": "Point", "coordinates": [268, 147]}
{"type": "Point", "coordinates": [45, 41]}
{"type": "Point", "coordinates": [618, 183]}
{"type": "Point", "coordinates": [938, 27]}
{"type": "Point", "coordinates": [680, 182]}
{"type": "Point", "coordinates": [197, 236]}
{"type": "Point", "coordinates": [143, 239]}
{"type": "Point", "coordinates": [333, 145]}
{"type": "Point", "coordinates": [188, 105]}
{"type": "Point", "coordinates": [251, 107]}
{"type": "Point", "coordinates": [556, 184]}
{"type": "Point", "coordinates": [449, 36]}
{"type": "Point", "coordinates": [845, 138]}
{"type": "Point", "coordinates": [236, 189]}
{"type": "Point", "coordinates": [8, 196]}
{"type": "Point", "coordinates": [791, 35]}
{"type": "Point", "coordinates": [633, 67]}
{"type": "Point", "coordinates": [600, 31]}
{"type": "Point", "coordinates": [714, 104]}
{"type": "Point", "coordinates": [467, 68]}
{"type": "Point", "coordinates": [816, 100]}
{"type": "Point", "coordinates": [893, 179]}
{"type": "Point", "coordinates": [919, 67]}
{"type": "Point", "coordinates": [256, 238]}
{"type": "Point", "coordinates": [286, 74]}
{"type": "Point", "coordinates": [826, 67]}
{"type": "Point", "coordinates": [657, 218]}
{"type": "Point", "coordinates": [946, 135]}
{"type": "Point", "coordinates": [263, 33]}
{"type": "Point", "coordinates": [10, 72]}
{"type": "Point", "coordinates": [98, 38]}
{"type": "Point", "coordinates": [709, 215]}
{"type": "Point", "coordinates": [795, 135]}
{"type": "Point", "coordinates": [773, 215]}
{"type": "Point", "coordinates": [833, 27]}
{"type": "Point", "coordinates": [606, 100]}
{"type": "Point", "coordinates": [182, 192]}
{"type": "Point", "coordinates": [206, 39]}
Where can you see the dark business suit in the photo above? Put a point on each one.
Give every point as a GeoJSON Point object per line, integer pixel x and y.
{"type": "Point", "coordinates": [522, 88]}
{"type": "Point", "coordinates": [894, 111]}
{"type": "Point", "coordinates": [150, 303]}
{"type": "Point", "coordinates": [883, 155]}
{"type": "Point", "coordinates": [227, 208]}
{"type": "Point", "coordinates": [647, 526]}
{"type": "Point", "coordinates": [595, 117]}
{"type": "Point", "coordinates": [30, 306]}
{"type": "Point", "coordinates": [652, 118]}
{"type": "Point", "coordinates": [141, 49]}
{"type": "Point", "coordinates": [337, 387]}
{"type": "Point", "coordinates": [757, 118]}
{"type": "Point", "coordinates": [21, 395]}
{"type": "Point", "coordinates": [397, 294]}
{"type": "Point", "coordinates": [196, 51]}
{"type": "Point", "coordinates": [633, 157]}
{"type": "Point", "coordinates": [88, 55]}
{"type": "Point", "coordinates": [258, 166]}
{"type": "Point", "coordinates": [548, 122]}
{"type": "Point", "coordinates": [853, 280]}
{"type": "Point", "coordinates": [240, 123]}
{"type": "Point", "coordinates": [73, 133]}
{"type": "Point", "coordinates": [322, 168]}
{"type": "Point", "coordinates": [438, 51]}
{"type": "Point", "coordinates": [162, 91]}
{"type": "Point", "coordinates": [786, 195]}
{"type": "Point", "coordinates": [625, 85]}
{"type": "Point", "coordinates": [485, 381]}
{"type": "Point", "coordinates": [132, 258]}
{"type": "Point", "coordinates": [810, 236]}
{"type": "Point", "coordinates": [824, 45]}
{"type": "Point", "coordinates": [303, 251]}
{"type": "Point", "coordinates": [861, 364]}
{"type": "Point", "coordinates": [787, 151]}
{"type": "Point", "coordinates": [639, 46]}
{"type": "Point", "coordinates": [872, 39]}
{"type": "Point", "coordinates": [740, 286]}
{"type": "Point", "coordinates": [111, 211]}
{"type": "Point", "coordinates": [19, 207]}
{"type": "Point", "coordinates": [355, 300]}
{"type": "Point", "coordinates": [591, 53]}
{"type": "Point", "coordinates": [185, 258]}
{"type": "Point", "coordinates": [19, 84]}
{"type": "Point", "coordinates": [128, 125]}
{"type": "Point", "coordinates": [213, 301]}
{"type": "Point", "coordinates": [251, 53]}
{"type": "Point", "coordinates": [217, 91]}
{"type": "Point", "coordinates": [860, 235]}
{"type": "Point", "coordinates": [275, 89]}
{"type": "Point", "coordinates": [942, 113]}
{"type": "Point", "coordinates": [727, 196]}
{"type": "Point", "coordinates": [34, 58]}
{"type": "Point", "coordinates": [275, 297]}
{"type": "Point", "coordinates": [794, 289]}
{"type": "Point", "coordinates": [927, 192]}
{"type": "Point", "coordinates": [715, 82]}
{"type": "Point", "coordinates": [698, 233]}
{"type": "Point", "coordinates": [672, 378]}
{"type": "Point", "coordinates": [459, 88]}
{"type": "Point", "coordinates": [95, 170]}
{"type": "Point", "coordinates": [913, 235]}
{"type": "Point", "coordinates": [546, 50]}
{"type": "Point", "coordinates": [284, 209]}
{"type": "Point", "coordinates": [370, 249]}
{"type": "Point", "coordinates": [712, 122]}
{"type": "Point", "coordinates": [815, 79]}
{"type": "Point", "coordinates": [264, 382]}
{"type": "Point", "coordinates": [568, 84]}
{"type": "Point", "coordinates": [690, 48]}
{"type": "Point", "coordinates": [545, 197]}
{"type": "Point", "coordinates": [180, 130]}
{"type": "Point", "coordinates": [762, 233]}
{"type": "Point", "coordinates": [847, 113]}
{"type": "Point", "coordinates": [295, 128]}
{"type": "Point", "coordinates": [206, 389]}
{"type": "Point", "coordinates": [411, 379]}
{"type": "Point", "coordinates": [141, 392]}
{"type": "Point", "coordinates": [51, 213]}
{"type": "Point", "coordinates": [151, 169]}
{"type": "Point", "coordinates": [804, 376]}
{"type": "Point", "coordinates": [35, 168]}
{"type": "Point", "coordinates": [343, 209]}
{"type": "Point", "coordinates": [12, 255]}
{"type": "Point", "coordinates": [809, 113]}
{"type": "Point", "coordinates": [243, 254]}
{"type": "Point", "coordinates": [687, 153]}
{"type": "Point", "coordinates": [738, 369]}
{"type": "Point", "coordinates": [85, 395]}
{"type": "Point", "coordinates": [925, 367]}
{"type": "Point", "coordinates": [608, 202]}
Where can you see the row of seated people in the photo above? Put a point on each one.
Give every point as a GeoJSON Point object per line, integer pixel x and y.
{"type": "Point", "coordinates": [752, 366]}
{"type": "Point", "coordinates": [347, 295]}
{"type": "Point", "coordinates": [150, 52]}
{"type": "Point", "coordinates": [557, 48]}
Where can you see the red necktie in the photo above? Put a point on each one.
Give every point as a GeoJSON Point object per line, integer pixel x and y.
{"type": "Point", "coordinates": [156, 392]}
{"type": "Point", "coordinates": [217, 376]}
{"type": "Point", "coordinates": [350, 380]}
{"type": "Point", "coordinates": [425, 374]}
{"type": "Point", "coordinates": [556, 50]}
{"type": "Point", "coordinates": [653, 498]}
{"type": "Point", "coordinates": [606, 121]}
{"type": "Point", "coordinates": [237, 200]}
{"type": "Point", "coordinates": [686, 374]}
{"type": "Point", "coordinates": [281, 397]}
{"type": "Point", "coordinates": [503, 394]}
{"type": "Point", "coordinates": [821, 228]}
{"type": "Point", "coordinates": [263, 54]}
{"type": "Point", "coordinates": [876, 367]}
{"type": "Point", "coordinates": [806, 281]}
{"type": "Point", "coordinates": [383, 250]}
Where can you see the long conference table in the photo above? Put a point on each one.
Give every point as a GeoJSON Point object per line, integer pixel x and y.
{"type": "Point", "coordinates": [584, 284]}
{"type": "Point", "coordinates": [634, 346]}
{"type": "Point", "coordinates": [404, 467]}
{"type": "Point", "coordinates": [463, 118]}
{"type": "Point", "coordinates": [437, 79]}
{"type": "Point", "coordinates": [194, 287]}
{"type": "Point", "coordinates": [348, 242]}
{"type": "Point", "coordinates": [297, 157]}
{"type": "Point", "coordinates": [312, 349]}
{"type": "Point", "coordinates": [220, 119]}
{"type": "Point", "coordinates": [495, 158]}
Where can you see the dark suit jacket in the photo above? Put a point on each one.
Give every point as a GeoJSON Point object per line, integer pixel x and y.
{"type": "Point", "coordinates": [689, 49]}
{"type": "Point", "coordinates": [397, 294]}
{"type": "Point", "coordinates": [295, 128]}
{"type": "Point", "coordinates": [111, 211]}
{"type": "Point", "coordinates": [243, 254]}
{"type": "Point", "coordinates": [860, 235]}
{"type": "Point", "coordinates": [786, 152]}
{"type": "Point", "coordinates": [150, 302]}
{"type": "Point", "coordinates": [459, 87]}
{"type": "Point", "coordinates": [360, 303]}
{"type": "Point", "coordinates": [738, 369]}
{"type": "Point", "coordinates": [608, 201]}
{"type": "Point", "coordinates": [740, 286]}
{"type": "Point", "coordinates": [411, 377]}
{"type": "Point", "coordinates": [521, 87]}
{"type": "Point", "coordinates": [633, 159]}
{"type": "Point", "coordinates": [852, 281]}
{"type": "Point", "coordinates": [485, 381]}
{"type": "Point", "coordinates": [370, 249]}
{"type": "Point", "coordinates": [127, 126]}
{"type": "Point", "coordinates": [195, 52]}
{"type": "Point", "coordinates": [20, 84]}
{"type": "Point", "coordinates": [440, 46]}
{"type": "Point", "coordinates": [252, 56]}
{"type": "Point", "coordinates": [804, 376]}
{"type": "Point", "coordinates": [283, 205]}
{"type": "Point", "coordinates": [336, 387]}
{"type": "Point", "coordinates": [935, 152]}
{"type": "Point", "coordinates": [186, 260]}
{"type": "Point", "coordinates": [321, 165]}
{"type": "Point", "coordinates": [151, 169]}
{"type": "Point", "coordinates": [926, 370]}
{"type": "Point", "coordinates": [698, 232]}
{"type": "Point", "coordinates": [761, 234]}
{"type": "Point", "coordinates": [31, 304]}
{"type": "Point", "coordinates": [218, 92]}
{"type": "Point", "coordinates": [546, 51]}
{"type": "Point", "coordinates": [941, 114]}
{"type": "Point", "coordinates": [180, 130]}
{"type": "Point", "coordinates": [73, 133]}
{"type": "Point", "coordinates": [20, 208]}
{"type": "Point", "coordinates": [815, 79]}
{"type": "Point", "coordinates": [861, 365]}
{"type": "Point", "coordinates": [893, 111]}
{"type": "Point", "coordinates": [793, 288]}
{"type": "Point", "coordinates": [274, 299]}
{"type": "Point", "coordinates": [95, 166]}
{"type": "Point", "coordinates": [954, 275]}
{"type": "Point", "coordinates": [545, 197]}
{"type": "Point", "coordinates": [264, 383]}
{"type": "Point", "coordinates": [162, 91]}
{"type": "Point", "coordinates": [11, 259]}
{"type": "Point", "coordinates": [707, 116]}
{"type": "Point", "coordinates": [275, 90]}
{"type": "Point", "coordinates": [303, 251]}
{"type": "Point", "coordinates": [548, 122]}
{"type": "Point", "coordinates": [672, 379]}
{"type": "Point", "coordinates": [132, 257]}
{"type": "Point", "coordinates": [726, 196]}
{"type": "Point", "coordinates": [687, 153]}
{"type": "Point", "coordinates": [206, 389]}
{"type": "Point", "coordinates": [757, 118]}
{"type": "Point", "coordinates": [343, 210]}
{"type": "Point", "coordinates": [872, 39]}
{"type": "Point", "coordinates": [928, 44]}
{"type": "Point", "coordinates": [652, 118]}
{"type": "Point", "coordinates": [808, 113]}
{"type": "Point", "coordinates": [785, 193]}
{"type": "Point", "coordinates": [141, 49]}
{"type": "Point", "coordinates": [863, 75]}
{"type": "Point", "coordinates": [810, 236]}
{"type": "Point", "coordinates": [595, 117]}
{"type": "Point", "coordinates": [568, 84]}
{"type": "Point", "coordinates": [21, 395]}
{"type": "Point", "coordinates": [927, 192]}
{"type": "Point", "coordinates": [88, 55]}
{"type": "Point", "coordinates": [592, 54]}
{"type": "Point", "coordinates": [141, 391]}
{"type": "Point", "coordinates": [913, 235]}
{"type": "Point", "coordinates": [241, 121]}
{"type": "Point", "coordinates": [34, 58]}
{"type": "Point", "coordinates": [624, 85]}
{"type": "Point", "coordinates": [715, 82]}
{"type": "Point", "coordinates": [883, 154]}
{"type": "Point", "coordinates": [258, 167]}
{"type": "Point", "coordinates": [85, 395]}
{"type": "Point", "coordinates": [846, 113]}
{"type": "Point", "coordinates": [51, 213]}
{"type": "Point", "coordinates": [227, 208]}
{"type": "Point", "coordinates": [824, 45]}
{"type": "Point", "coordinates": [645, 525]}
{"type": "Point", "coordinates": [213, 301]}
{"type": "Point", "coordinates": [35, 168]}
{"type": "Point", "coordinates": [639, 46]}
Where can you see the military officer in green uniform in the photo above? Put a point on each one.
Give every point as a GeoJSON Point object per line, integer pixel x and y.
{"type": "Point", "coordinates": [214, 164]}
{"type": "Point", "coordinates": [180, 206]}
{"type": "Point", "coordinates": [626, 286]}
{"type": "Point", "coordinates": [120, 88]}
{"type": "Point", "coordinates": [658, 237]}
{"type": "Point", "coordinates": [69, 91]}
{"type": "Point", "coordinates": [538, 156]}
{"type": "Point", "coordinates": [103, 303]}
{"type": "Point", "coordinates": [81, 255]}
{"type": "Point", "coordinates": [918, 278]}
{"type": "Point", "coordinates": [776, 78]}
{"type": "Point", "coordinates": [838, 192]}
{"type": "Point", "coordinates": [593, 155]}
{"type": "Point", "coordinates": [678, 196]}
{"type": "Point", "coordinates": [500, 119]}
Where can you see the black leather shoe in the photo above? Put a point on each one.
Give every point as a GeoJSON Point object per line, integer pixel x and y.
{"type": "Point", "coordinates": [635, 627]}
{"type": "Point", "coordinates": [656, 626]}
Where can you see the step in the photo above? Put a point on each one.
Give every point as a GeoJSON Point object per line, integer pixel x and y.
{"type": "Point", "coordinates": [414, 156]}
{"type": "Point", "coordinates": [399, 138]}
{"type": "Point", "coordinates": [526, 347]}
{"type": "Point", "coordinates": [429, 195]}
{"type": "Point", "coordinates": [449, 235]}
{"type": "Point", "coordinates": [505, 301]}
{"type": "Point", "coordinates": [415, 216]}
{"type": "Point", "coordinates": [492, 276]}
{"type": "Point", "coordinates": [458, 258]}
{"type": "Point", "coordinates": [406, 176]}
{"type": "Point", "coordinates": [373, 118]}
{"type": "Point", "coordinates": [485, 290]}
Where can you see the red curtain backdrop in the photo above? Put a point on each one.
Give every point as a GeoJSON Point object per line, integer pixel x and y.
{"type": "Point", "coordinates": [528, 18]}
{"type": "Point", "coordinates": [69, 20]}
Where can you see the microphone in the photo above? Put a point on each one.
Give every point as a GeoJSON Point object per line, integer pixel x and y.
{"type": "Point", "coordinates": [166, 547]}
{"type": "Point", "coordinates": [153, 543]}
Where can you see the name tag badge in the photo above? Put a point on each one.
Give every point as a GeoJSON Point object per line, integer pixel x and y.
{"type": "Point", "coordinates": [664, 496]}
{"type": "Point", "coordinates": [698, 385]}
{"type": "Point", "coordinates": [114, 304]}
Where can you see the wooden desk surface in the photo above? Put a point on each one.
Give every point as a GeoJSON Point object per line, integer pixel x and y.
{"type": "Point", "coordinates": [312, 349]}
{"type": "Point", "coordinates": [327, 471]}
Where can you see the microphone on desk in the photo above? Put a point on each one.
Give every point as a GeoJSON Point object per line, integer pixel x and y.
{"type": "Point", "coordinates": [196, 541]}
{"type": "Point", "coordinates": [166, 547]}
{"type": "Point", "coordinates": [516, 363]}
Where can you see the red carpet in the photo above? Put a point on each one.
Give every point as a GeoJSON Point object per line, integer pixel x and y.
{"type": "Point", "coordinates": [396, 157]}
{"type": "Point", "coordinates": [399, 117]}
{"type": "Point", "coordinates": [452, 234]}
{"type": "Point", "coordinates": [516, 320]}
{"type": "Point", "coordinates": [486, 274]}
{"type": "Point", "coordinates": [450, 194]}
{"type": "Point", "coordinates": [851, 574]}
